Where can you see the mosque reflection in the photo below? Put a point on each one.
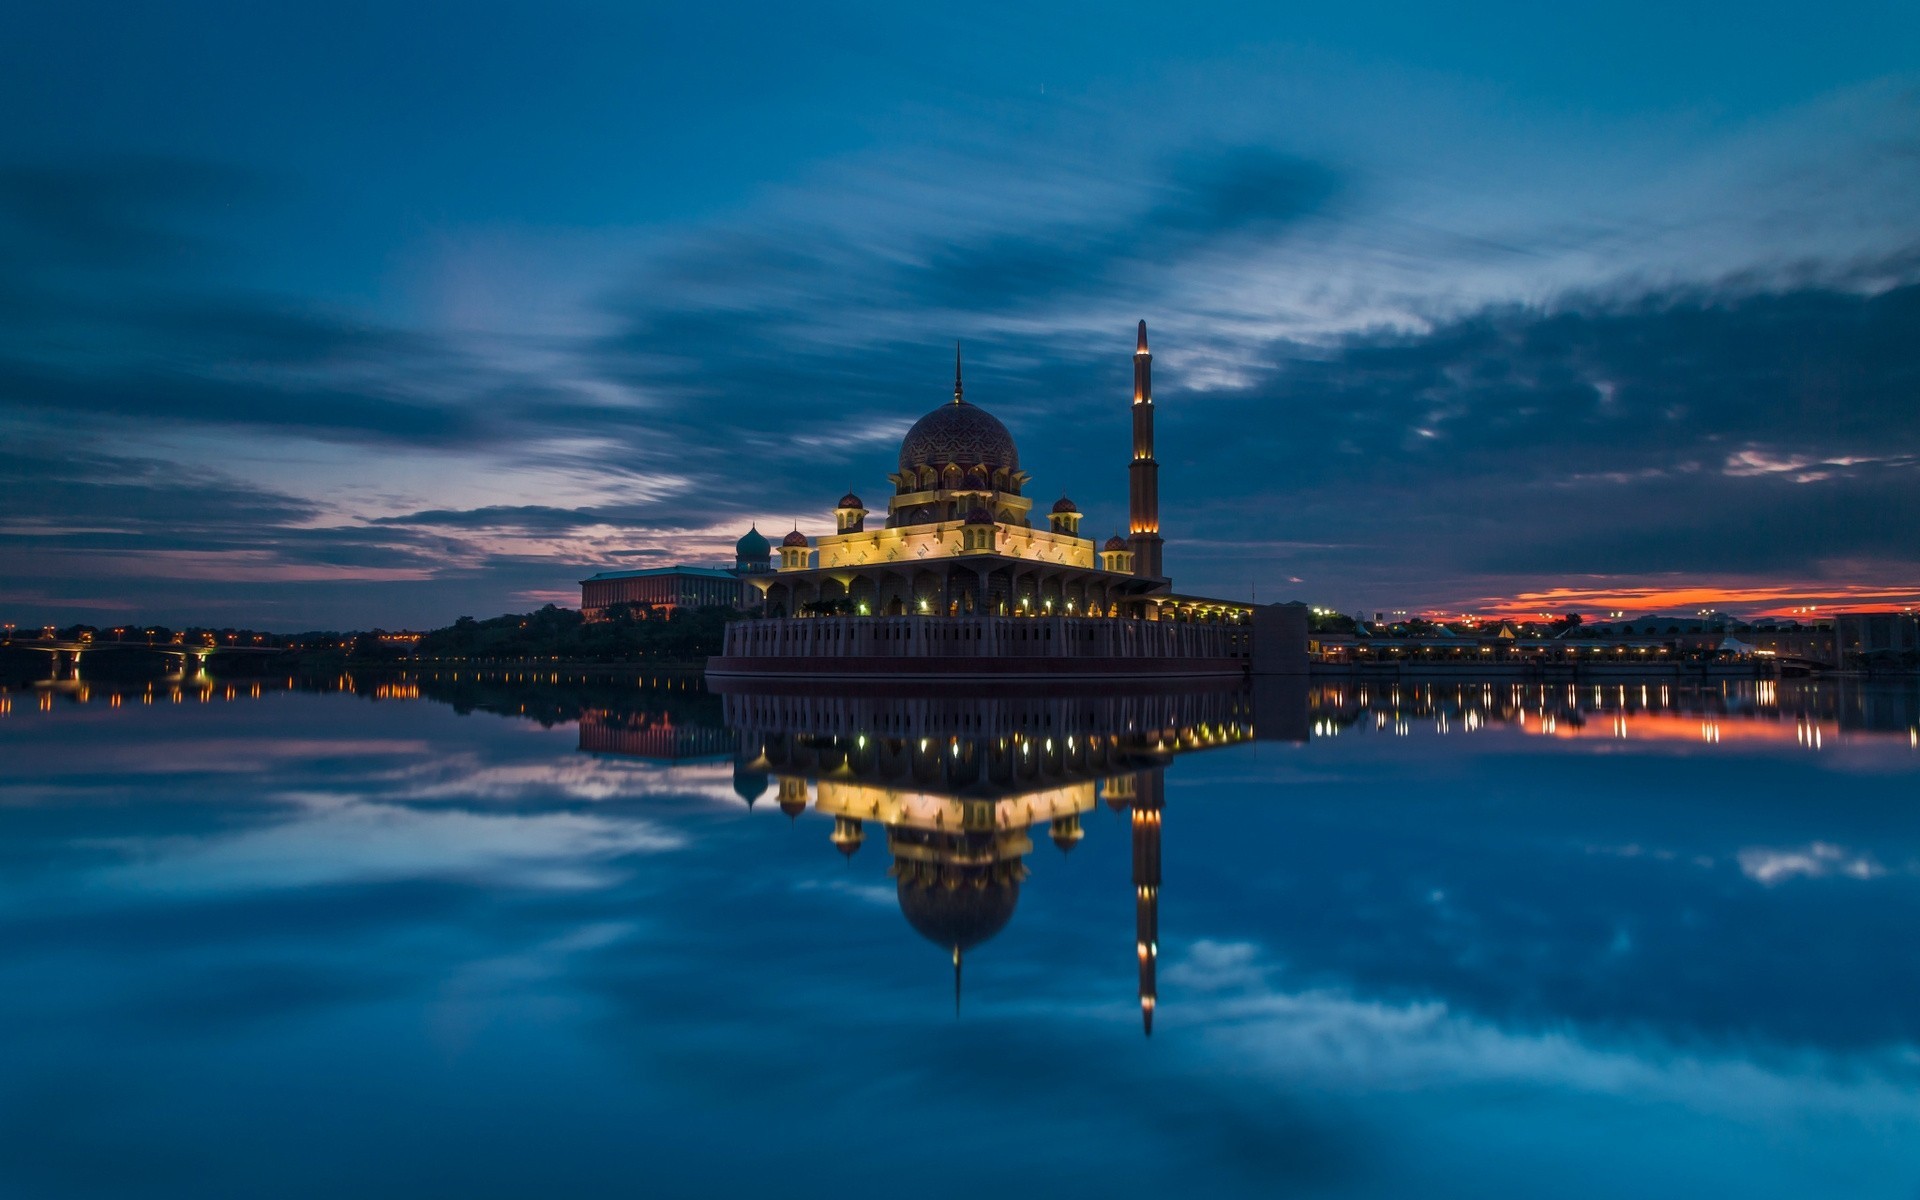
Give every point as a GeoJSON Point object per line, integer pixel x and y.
{"type": "Point", "coordinates": [955, 789]}
{"type": "Point", "coordinates": [958, 786]}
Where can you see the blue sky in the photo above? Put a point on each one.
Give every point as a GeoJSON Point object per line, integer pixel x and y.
{"type": "Point", "coordinates": [389, 313]}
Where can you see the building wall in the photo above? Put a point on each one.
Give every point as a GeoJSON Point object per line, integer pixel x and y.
{"type": "Point", "coordinates": [1814, 644]}
{"type": "Point", "coordinates": [664, 591]}
{"type": "Point", "coordinates": [907, 544]}
{"type": "Point", "coordinates": [985, 637]}
{"type": "Point", "coordinates": [1857, 634]}
{"type": "Point", "coordinates": [1280, 639]}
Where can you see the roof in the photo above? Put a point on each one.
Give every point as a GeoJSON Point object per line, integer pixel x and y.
{"type": "Point", "coordinates": [753, 544]}
{"type": "Point", "coordinates": [698, 572]}
{"type": "Point", "coordinates": [960, 433]}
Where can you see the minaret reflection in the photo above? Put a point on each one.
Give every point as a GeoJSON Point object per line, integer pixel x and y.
{"type": "Point", "coordinates": [959, 784]}
{"type": "Point", "coordinates": [1148, 801]}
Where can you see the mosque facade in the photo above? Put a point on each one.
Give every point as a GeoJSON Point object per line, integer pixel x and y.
{"type": "Point", "coordinates": [958, 535]}
{"type": "Point", "coordinates": [957, 574]}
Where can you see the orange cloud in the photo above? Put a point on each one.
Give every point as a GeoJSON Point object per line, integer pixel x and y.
{"type": "Point", "coordinates": [1785, 599]}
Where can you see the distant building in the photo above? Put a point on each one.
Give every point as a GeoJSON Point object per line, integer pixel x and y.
{"type": "Point", "coordinates": [1808, 643]}
{"type": "Point", "coordinates": [1862, 637]}
{"type": "Point", "coordinates": [668, 588]}
{"type": "Point", "coordinates": [665, 588]}
{"type": "Point", "coordinates": [1656, 624]}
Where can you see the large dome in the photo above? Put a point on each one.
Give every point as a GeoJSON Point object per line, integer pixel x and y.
{"type": "Point", "coordinates": [960, 433]}
{"type": "Point", "coordinates": [958, 917]}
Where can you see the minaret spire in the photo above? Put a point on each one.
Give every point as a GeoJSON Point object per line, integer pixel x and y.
{"type": "Point", "coordinates": [1143, 473]}
{"type": "Point", "coordinates": [956, 372]}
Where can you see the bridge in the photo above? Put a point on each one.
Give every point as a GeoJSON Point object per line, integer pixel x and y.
{"type": "Point", "coordinates": [1797, 664]}
{"type": "Point", "coordinates": [66, 654]}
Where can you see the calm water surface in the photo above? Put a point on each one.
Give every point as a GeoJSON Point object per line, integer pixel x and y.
{"type": "Point", "coordinates": [503, 938]}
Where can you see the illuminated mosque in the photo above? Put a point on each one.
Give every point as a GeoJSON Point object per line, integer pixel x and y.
{"type": "Point", "coordinates": [959, 537]}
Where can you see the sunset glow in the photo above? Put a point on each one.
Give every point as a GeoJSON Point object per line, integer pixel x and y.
{"type": "Point", "coordinates": [1803, 600]}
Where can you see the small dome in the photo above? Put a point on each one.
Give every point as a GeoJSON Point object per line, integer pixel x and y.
{"type": "Point", "coordinates": [752, 545]}
{"type": "Point", "coordinates": [847, 835]}
{"type": "Point", "coordinates": [850, 501]}
{"type": "Point", "coordinates": [794, 539]}
{"type": "Point", "coordinates": [749, 785]}
{"type": "Point", "coordinates": [1116, 542]}
{"type": "Point", "coordinates": [1064, 505]}
{"type": "Point", "coordinates": [979, 516]}
{"type": "Point", "coordinates": [1066, 832]}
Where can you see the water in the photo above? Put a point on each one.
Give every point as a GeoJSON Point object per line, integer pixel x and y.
{"type": "Point", "coordinates": [411, 939]}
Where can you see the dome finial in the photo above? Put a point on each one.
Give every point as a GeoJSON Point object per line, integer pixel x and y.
{"type": "Point", "coordinates": [956, 373]}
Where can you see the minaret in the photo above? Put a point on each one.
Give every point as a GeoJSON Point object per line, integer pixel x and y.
{"type": "Point", "coordinates": [1146, 886]}
{"type": "Point", "coordinates": [1143, 474]}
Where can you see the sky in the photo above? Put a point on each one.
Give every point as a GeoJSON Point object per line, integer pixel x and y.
{"type": "Point", "coordinates": [384, 314]}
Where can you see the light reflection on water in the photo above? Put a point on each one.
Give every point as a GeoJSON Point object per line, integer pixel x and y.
{"type": "Point", "coordinates": [498, 934]}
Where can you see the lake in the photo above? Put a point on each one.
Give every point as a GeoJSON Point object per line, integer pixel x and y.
{"type": "Point", "coordinates": [513, 934]}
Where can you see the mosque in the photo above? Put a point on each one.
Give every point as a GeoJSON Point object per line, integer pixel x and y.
{"type": "Point", "coordinates": [958, 579]}
{"type": "Point", "coordinates": [959, 536]}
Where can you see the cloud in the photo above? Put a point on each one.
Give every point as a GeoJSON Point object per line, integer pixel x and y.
{"type": "Point", "coordinates": [341, 838]}
{"type": "Point", "coordinates": [1346, 1042]}
{"type": "Point", "coordinates": [1201, 202]}
{"type": "Point", "coordinates": [1817, 860]}
{"type": "Point", "coordinates": [108, 213]}
{"type": "Point", "coordinates": [1722, 434]}
{"type": "Point", "coordinates": [51, 484]}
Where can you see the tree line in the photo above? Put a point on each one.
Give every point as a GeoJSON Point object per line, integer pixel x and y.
{"type": "Point", "coordinates": [627, 633]}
